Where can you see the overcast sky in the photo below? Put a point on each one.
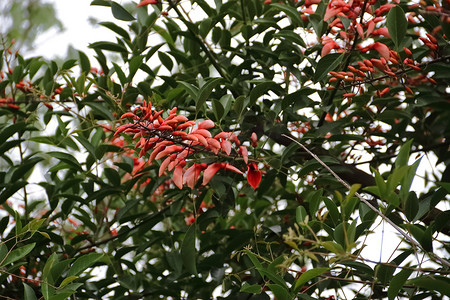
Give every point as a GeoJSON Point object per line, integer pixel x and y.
{"type": "Point", "coordinates": [79, 32]}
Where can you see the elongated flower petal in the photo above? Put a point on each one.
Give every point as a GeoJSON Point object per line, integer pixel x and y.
{"type": "Point", "coordinates": [207, 124]}
{"type": "Point", "coordinates": [226, 146]}
{"type": "Point", "coordinates": [147, 2]}
{"type": "Point", "coordinates": [210, 171]}
{"type": "Point", "coordinates": [244, 152]}
{"type": "Point", "coordinates": [178, 176]}
{"type": "Point", "coordinates": [189, 177]}
{"type": "Point", "coordinates": [203, 132]}
{"type": "Point", "coordinates": [168, 150]}
{"type": "Point", "coordinates": [382, 49]}
{"type": "Point", "coordinates": [233, 168]}
{"type": "Point", "coordinates": [253, 175]}
{"type": "Point", "coordinates": [164, 165]}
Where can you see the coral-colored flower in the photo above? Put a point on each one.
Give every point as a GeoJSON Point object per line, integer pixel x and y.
{"type": "Point", "coordinates": [382, 49]}
{"type": "Point", "coordinates": [147, 2]}
{"type": "Point", "coordinates": [210, 171]}
{"type": "Point", "coordinates": [253, 175]}
{"type": "Point", "coordinates": [254, 140]}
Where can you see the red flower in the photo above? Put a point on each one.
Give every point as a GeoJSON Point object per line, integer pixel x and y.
{"type": "Point", "coordinates": [253, 175]}
{"type": "Point", "coordinates": [147, 2]}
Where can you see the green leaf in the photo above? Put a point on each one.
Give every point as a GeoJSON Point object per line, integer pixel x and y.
{"type": "Point", "coordinates": [24, 168]}
{"type": "Point", "coordinates": [384, 273]}
{"type": "Point", "coordinates": [135, 63]}
{"type": "Point", "coordinates": [291, 11]}
{"type": "Point", "coordinates": [262, 88]}
{"type": "Point", "coordinates": [67, 280]}
{"type": "Point", "coordinates": [117, 29]}
{"type": "Point", "coordinates": [240, 104]}
{"type": "Point", "coordinates": [120, 74]}
{"type": "Point", "coordinates": [251, 289]}
{"type": "Point", "coordinates": [110, 46]}
{"type": "Point", "coordinates": [67, 65]}
{"type": "Point", "coordinates": [188, 252]}
{"type": "Point", "coordinates": [326, 64]}
{"type": "Point", "coordinates": [291, 36]}
{"type": "Point", "coordinates": [274, 278]}
{"type": "Point", "coordinates": [86, 144]}
{"type": "Point", "coordinates": [205, 91]}
{"type": "Point", "coordinates": [280, 292]}
{"type": "Point", "coordinates": [9, 131]}
{"type": "Point", "coordinates": [17, 254]}
{"type": "Point", "coordinates": [408, 179]}
{"type": "Point", "coordinates": [85, 65]}
{"type": "Point", "coordinates": [397, 24]}
{"type": "Point", "coordinates": [3, 250]}
{"type": "Point", "coordinates": [34, 66]}
{"type": "Point", "coordinates": [113, 176]}
{"type": "Point", "coordinates": [218, 109]}
{"type": "Point", "coordinates": [28, 292]}
{"type": "Point", "coordinates": [403, 154]}
{"type": "Point", "coordinates": [67, 158]}
{"type": "Point", "coordinates": [84, 262]}
{"type": "Point", "coordinates": [300, 214]}
{"type": "Point", "coordinates": [11, 189]}
{"type": "Point", "coordinates": [192, 90]}
{"type": "Point", "coordinates": [396, 284]}
{"type": "Point", "coordinates": [48, 266]}
{"type": "Point", "coordinates": [411, 206]}
{"type": "Point", "coordinates": [120, 13]}
{"type": "Point", "coordinates": [254, 261]}
{"type": "Point", "coordinates": [165, 60]}
{"type": "Point", "coordinates": [307, 276]}
{"type": "Point", "coordinates": [432, 284]}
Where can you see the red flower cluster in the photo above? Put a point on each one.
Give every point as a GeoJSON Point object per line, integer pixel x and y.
{"type": "Point", "coordinates": [168, 140]}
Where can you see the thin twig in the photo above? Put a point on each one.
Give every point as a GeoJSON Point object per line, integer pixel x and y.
{"type": "Point", "coordinates": [365, 201]}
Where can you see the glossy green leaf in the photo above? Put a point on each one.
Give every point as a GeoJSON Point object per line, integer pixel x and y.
{"type": "Point", "coordinates": [165, 60]}
{"type": "Point", "coordinates": [301, 214]}
{"type": "Point", "coordinates": [120, 13]}
{"type": "Point", "coordinates": [28, 292]}
{"type": "Point", "coordinates": [403, 155]}
{"type": "Point", "coordinates": [251, 289]}
{"type": "Point", "coordinates": [263, 88]}
{"type": "Point", "coordinates": [84, 262]}
{"type": "Point", "coordinates": [326, 64]}
{"type": "Point", "coordinates": [290, 11]}
{"type": "Point", "coordinates": [188, 251]}
{"type": "Point", "coordinates": [11, 189]}
{"type": "Point", "coordinates": [397, 24]}
{"type": "Point", "coordinates": [280, 292]}
{"type": "Point", "coordinates": [307, 276]}
{"type": "Point", "coordinates": [67, 280]}
{"type": "Point", "coordinates": [205, 91]}
{"type": "Point", "coordinates": [67, 158]}
{"type": "Point", "coordinates": [17, 254]}
{"type": "Point", "coordinates": [397, 282]}
{"type": "Point", "coordinates": [116, 28]}
{"type": "Point", "coordinates": [110, 46]}
{"type": "Point", "coordinates": [433, 283]}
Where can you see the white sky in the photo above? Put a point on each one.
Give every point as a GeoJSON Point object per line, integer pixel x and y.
{"type": "Point", "coordinates": [75, 14]}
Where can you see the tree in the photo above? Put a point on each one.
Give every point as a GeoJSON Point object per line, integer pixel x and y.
{"type": "Point", "coordinates": [222, 155]}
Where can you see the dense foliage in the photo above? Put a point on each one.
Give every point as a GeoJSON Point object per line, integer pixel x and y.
{"type": "Point", "coordinates": [231, 149]}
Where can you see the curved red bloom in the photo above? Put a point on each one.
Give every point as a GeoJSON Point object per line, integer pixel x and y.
{"type": "Point", "coordinates": [210, 171]}
{"type": "Point", "coordinates": [253, 175]}
{"type": "Point", "coordinates": [147, 2]}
